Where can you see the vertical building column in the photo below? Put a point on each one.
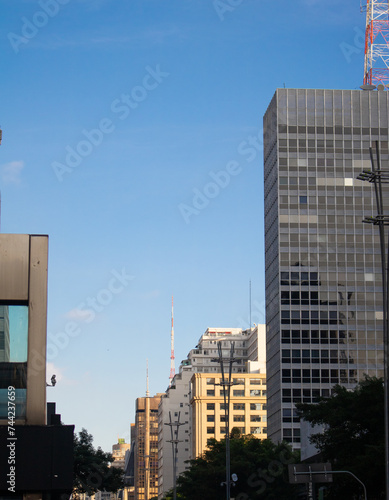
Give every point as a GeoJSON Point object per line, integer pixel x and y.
{"type": "Point", "coordinates": [37, 319]}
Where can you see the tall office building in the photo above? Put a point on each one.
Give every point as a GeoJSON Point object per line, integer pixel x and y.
{"type": "Point", "coordinates": [323, 268]}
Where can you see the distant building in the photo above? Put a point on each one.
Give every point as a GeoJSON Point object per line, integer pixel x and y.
{"type": "Point", "coordinates": [200, 358]}
{"type": "Point", "coordinates": [247, 408]}
{"type": "Point", "coordinates": [146, 447]}
{"type": "Point", "coordinates": [324, 306]}
{"type": "Point", "coordinates": [249, 351]}
{"type": "Point", "coordinates": [174, 407]}
{"type": "Point", "coordinates": [119, 452]}
{"type": "Point", "coordinates": [129, 468]}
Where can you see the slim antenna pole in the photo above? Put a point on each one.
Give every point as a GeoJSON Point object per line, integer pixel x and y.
{"type": "Point", "coordinates": [250, 302]}
{"type": "Point", "coordinates": [147, 379]}
{"type": "Point", "coordinates": [172, 368]}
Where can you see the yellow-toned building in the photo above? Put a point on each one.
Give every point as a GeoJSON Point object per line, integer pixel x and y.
{"type": "Point", "coordinates": [146, 447]}
{"type": "Point", "coordinates": [247, 407]}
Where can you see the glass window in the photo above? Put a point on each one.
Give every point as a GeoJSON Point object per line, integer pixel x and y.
{"type": "Point", "coordinates": [13, 358]}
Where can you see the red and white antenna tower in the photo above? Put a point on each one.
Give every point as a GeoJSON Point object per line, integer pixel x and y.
{"type": "Point", "coordinates": [172, 368]}
{"type": "Point", "coordinates": [377, 43]}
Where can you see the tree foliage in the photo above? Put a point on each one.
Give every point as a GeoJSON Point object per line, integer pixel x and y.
{"type": "Point", "coordinates": [261, 467]}
{"type": "Point", "coordinates": [353, 438]}
{"type": "Point", "coordinates": [92, 469]}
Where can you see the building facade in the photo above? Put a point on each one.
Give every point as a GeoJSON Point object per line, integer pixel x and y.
{"type": "Point", "coordinates": [119, 452]}
{"type": "Point", "coordinates": [247, 410]}
{"type": "Point", "coordinates": [146, 447]}
{"type": "Point", "coordinates": [174, 408]}
{"type": "Point", "coordinates": [27, 422]}
{"type": "Point", "coordinates": [323, 269]}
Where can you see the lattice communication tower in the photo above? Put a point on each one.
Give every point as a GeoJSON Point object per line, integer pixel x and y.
{"type": "Point", "coordinates": [377, 43]}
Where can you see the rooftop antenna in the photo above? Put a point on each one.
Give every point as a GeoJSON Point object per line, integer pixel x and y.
{"type": "Point", "coordinates": [147, 379]}
{"type": "Point", "coordinates": [376, 70]}
{"type": "Point", "coordinates": [250, 302]}
{"type": "Point", "coordinates": [172, 368]}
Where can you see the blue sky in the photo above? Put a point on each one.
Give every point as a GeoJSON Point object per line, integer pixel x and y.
{"type": "Point", "coordinates": [132, 137]}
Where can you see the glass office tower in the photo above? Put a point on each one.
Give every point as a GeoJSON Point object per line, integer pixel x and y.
{"type": "Point", "coordinates": [323, 270]}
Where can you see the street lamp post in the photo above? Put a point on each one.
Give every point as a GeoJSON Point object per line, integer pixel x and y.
{"type": "Point", "coordinates": [174, 441]}
{"type": "Point", "coordinates": [378, 176]}
{"type": "Point", "coordinates": [226, 384]}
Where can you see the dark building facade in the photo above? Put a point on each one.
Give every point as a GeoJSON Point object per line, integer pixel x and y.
{"type": "Point", "coordinates": [323, 268]}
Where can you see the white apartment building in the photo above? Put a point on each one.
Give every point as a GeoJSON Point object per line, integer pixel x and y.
{"type": "Point", "coordinates": [173, 408]}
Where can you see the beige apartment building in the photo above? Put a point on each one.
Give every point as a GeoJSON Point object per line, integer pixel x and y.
{"type": "Point", "coordinates": [146, 447]}
{"type": "Point", "coordinates": [247, 407]}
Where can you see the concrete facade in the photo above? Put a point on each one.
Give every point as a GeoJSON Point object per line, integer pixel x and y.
{"type": "Point", "coordinates": [247, 408]}
{"type": "Point", "coordinates": [146, 447]}
{"type": "Point", "coordinates": [174, 407]}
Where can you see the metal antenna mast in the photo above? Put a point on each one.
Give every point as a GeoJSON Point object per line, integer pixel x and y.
{"type": "Point", "coordinates": [172, 368]}
{"type": "Point", "coordinates": [250, 302]}
{"type": "Point", "coordinates": [147, 379]}
{"type": "Point", "coordinates": [376, 71]}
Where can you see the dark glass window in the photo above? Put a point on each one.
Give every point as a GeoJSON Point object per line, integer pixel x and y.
{"type": "Point", "coordinates": [13, 358]}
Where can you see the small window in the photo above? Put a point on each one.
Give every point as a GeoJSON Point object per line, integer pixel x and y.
{"type": "Point", "coordinates": [303, 200]}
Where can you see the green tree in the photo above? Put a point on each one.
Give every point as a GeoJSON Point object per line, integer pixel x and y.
{"type": "Point", "coordinates": [353, 438]}
{"type": "Point", "coordinates": [261, 467]}
{"type": "Point", "coordinates": [92, 469]}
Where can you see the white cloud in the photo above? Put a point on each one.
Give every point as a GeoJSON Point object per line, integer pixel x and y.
{"type": "Point", "coordinates": [11, 171]}
{"type": "Point", "coordinates": [80, 314]}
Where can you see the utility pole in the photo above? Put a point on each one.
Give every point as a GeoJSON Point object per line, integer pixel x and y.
{"type": "Point", "coordinates": [174, 441]}
{"type": "Point", "coordinates": [226, 384]}
{"type": "Point", "coordinates": [379, 176]}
